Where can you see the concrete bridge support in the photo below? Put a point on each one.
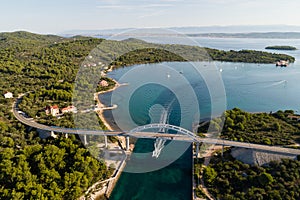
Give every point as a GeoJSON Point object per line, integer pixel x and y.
{"type": "Point", "coordinates": [85, 140]}
{"type": "Point", "coordinates": [222, 150]}
{"type": "Point", "coordinates": [106, 143]}
{"type": "Point", "coordinates": [127, 143]}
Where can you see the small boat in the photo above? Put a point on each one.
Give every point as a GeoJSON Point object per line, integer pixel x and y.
{"type": "Point", "coordinates": [282, 63]}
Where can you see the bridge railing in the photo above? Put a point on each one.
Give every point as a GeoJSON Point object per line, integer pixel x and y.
{"type": "Point", "coordinates": [166, 126]}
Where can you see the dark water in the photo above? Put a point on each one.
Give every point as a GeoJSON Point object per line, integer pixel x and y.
{"type": "Point", "coordinates": [171, 182]}
{"type": "Point", "coordinates": [252, 87]}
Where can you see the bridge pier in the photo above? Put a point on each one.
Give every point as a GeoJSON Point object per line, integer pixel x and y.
{"type": "Point", "coordinates": [127, 143]}
{"type": "Point", "coordinates": [106, 143]}
{"type": "Point", "coordinates": [85, 140]}
{"type": "Point", "coordinates": [53, 134]}
{"type": "Point", "coordinates": [222, 150]}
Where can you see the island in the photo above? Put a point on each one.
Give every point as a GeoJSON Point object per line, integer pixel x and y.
{"type": "Point", "coordinates": [154, 53]}
{"type": "Point", "coordinates": [262, 35]}
{"type": "Point", "coordinates": [288, 48]}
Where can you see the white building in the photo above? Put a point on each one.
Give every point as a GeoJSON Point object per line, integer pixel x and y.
{"type": "Point", "coordinates": [8, 95]}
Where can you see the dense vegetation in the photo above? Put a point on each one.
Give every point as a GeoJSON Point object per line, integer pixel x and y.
{"type": "Point", "coordinates": [227, 178]}
{"type": "Point", "coordinates": [52, 169]}
{"type": "Point", "coordinates": [148, 55]}
{"type": "Point", "coordinates": [110, 82]}
{"type": "Point", "coordinates": [290, 48]}
{"type": "Point", "coordinates": [249, 56]}
{"type": "Point", "coordinates": [30, 167]}
{"type": "Point", "coordinates": [159, 53]}
{"type": "Point", "coordinates": [261, 128]}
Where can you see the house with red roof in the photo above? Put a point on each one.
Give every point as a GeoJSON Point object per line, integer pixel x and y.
{"type": "Point", "coordinates": [53, 110]}
{"type": "Point", "coordinates": [68, 109]}
{"type": "Point", "coordinates": [103, 83]}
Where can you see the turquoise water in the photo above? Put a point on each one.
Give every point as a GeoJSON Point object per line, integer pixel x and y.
{"type": "Point", "coordinates": [252, 87]}
{"type": "Point", "coordinates": [173, 179]}
{"type": "Point", "coordinates": [172, 182]}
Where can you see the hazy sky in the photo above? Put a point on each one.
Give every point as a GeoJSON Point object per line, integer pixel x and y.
{"type": "Point", "coordinates": [55, 16]}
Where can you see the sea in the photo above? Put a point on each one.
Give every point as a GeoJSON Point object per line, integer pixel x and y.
{"type": "Point", "coordinates": [202, 90]}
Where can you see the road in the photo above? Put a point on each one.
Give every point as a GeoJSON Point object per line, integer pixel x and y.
{"type": "Point", "coordinates": [184, 136]}
{"type": "Point", "coordinates": [32, 123]}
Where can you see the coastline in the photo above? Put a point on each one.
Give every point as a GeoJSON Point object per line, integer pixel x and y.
{"type": "Point", "coordinates": [101, 105]}
{"type": "Point", "coordinates": [111, 182]}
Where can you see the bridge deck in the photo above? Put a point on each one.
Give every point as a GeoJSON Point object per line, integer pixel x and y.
{"type": "Point", "coordinates": [180, 137]}
{"type": "Point", "coordinates": [187, 136]}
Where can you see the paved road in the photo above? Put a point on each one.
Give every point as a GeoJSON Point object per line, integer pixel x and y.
{"type": "Point", "coordinates": [141, 134]}
{"type": "Point", "coordinates": [32, 123]}
{"type": "Point", "coordinates": [260, 147]}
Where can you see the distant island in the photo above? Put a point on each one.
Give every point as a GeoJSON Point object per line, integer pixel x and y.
{"type": "Point", "coordinates": [290, 48]}
{"type": "Point", "coordinates": [266, 35]}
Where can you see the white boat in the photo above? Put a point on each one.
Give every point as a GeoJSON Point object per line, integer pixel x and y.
{"type": "Point", "coordinates": [282, 63]}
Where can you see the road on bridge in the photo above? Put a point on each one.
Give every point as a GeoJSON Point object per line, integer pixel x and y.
{"type": "Point", "coordinates": [184, 135]}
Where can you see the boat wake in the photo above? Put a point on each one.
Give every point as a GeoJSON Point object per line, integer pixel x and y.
{"type": "Point", "coordinates": [282, 82]}
{"type": "Point", "coordinates": [272, 83]}
{"type": "Point", "coordinates": [265, 82]}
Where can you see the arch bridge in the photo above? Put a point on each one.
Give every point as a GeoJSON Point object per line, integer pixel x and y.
{"type": "Point", "coordinates": [138, 132]}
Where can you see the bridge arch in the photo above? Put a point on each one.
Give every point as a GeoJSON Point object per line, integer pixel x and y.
{"type": "Point", "coordinates": [162, 126]}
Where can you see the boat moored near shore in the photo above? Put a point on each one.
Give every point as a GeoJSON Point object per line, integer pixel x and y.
{"type": "Point", "coordinates": [282, 63]}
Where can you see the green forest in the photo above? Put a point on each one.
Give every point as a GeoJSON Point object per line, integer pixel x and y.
{"type": "Point", "coordinates": [47, 67]}
{"type": "Point", "coordinates": [160, 53]}
{"type": "Point", "coordinates": [260, 128]}
{"type": "Point", "coordinates": [227, 179]}
{"type": "Point", "coordinates": [31, 167]}
{"type": "Point", "coordinates": [47, 169]}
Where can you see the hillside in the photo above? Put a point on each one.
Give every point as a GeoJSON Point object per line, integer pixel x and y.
{"type": "Point", "coordinates": [30, 167]}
